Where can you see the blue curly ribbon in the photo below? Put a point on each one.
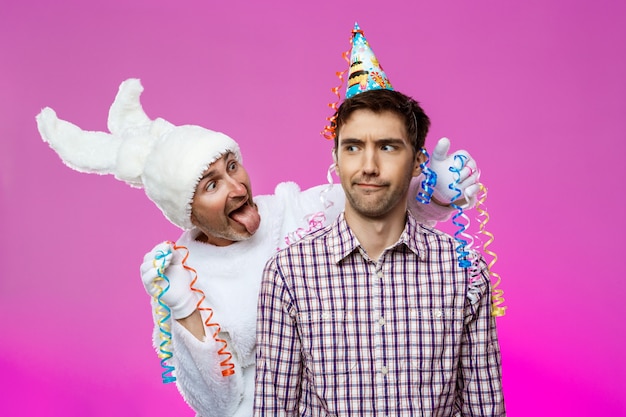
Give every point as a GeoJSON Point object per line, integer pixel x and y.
{"type": "Point", "coordinates": [165, 313]}
{"type": "Point", "coordinates": [464, 262]}
{"type": "Point", "coordinates": [429, 181]}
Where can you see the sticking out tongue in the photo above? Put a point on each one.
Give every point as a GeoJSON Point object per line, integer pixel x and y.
{"type": "Point", "coordinates": [248, 216]}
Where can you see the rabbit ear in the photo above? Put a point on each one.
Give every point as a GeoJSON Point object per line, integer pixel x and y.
{"type": "Point", "coordinates": [84, 151]}
{"type": "Point", "coordinates": [126, 112]}
{"type": "Point", "coordinates": [128, 121]}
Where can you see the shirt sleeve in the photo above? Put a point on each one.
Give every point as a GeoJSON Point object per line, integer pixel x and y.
{"type": "Point", "coordinates": [278, 358]}
{"type": "Point", "coordinates": [479, 386]}
{"type": "Point", "coordinates": [320, 205]}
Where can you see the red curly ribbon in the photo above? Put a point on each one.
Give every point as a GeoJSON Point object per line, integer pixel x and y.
{"type": "Point", "coordinates": [226, 363]}
{"type": "Point", "coordinates": [329, 130]}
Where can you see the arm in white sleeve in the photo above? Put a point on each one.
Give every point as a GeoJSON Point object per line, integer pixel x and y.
{"type": "Point", "coordinates": [308, 210]}
{"type": "Point", "coordinates": [198, 371]}
{"type": "Point", "coordinates": [331, 200]}
{"type": "Point", "coordinates": [430, 213]}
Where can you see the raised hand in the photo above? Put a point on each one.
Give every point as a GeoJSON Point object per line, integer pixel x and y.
{"type": "Point", "coordinates": [448, 168]}
{"type": "Point", "coordinates": [162, 272]}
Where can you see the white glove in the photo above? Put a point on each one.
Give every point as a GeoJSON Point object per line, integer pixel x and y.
{"type": "Point", "coordinates": [468, 176]}
{"type": "Point", "coordinates": [179, 297]}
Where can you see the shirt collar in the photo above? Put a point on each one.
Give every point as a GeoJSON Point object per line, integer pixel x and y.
{"type": "Point", "coordinates": [343, 242]}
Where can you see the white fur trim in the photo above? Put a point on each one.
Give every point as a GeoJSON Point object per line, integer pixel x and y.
{"type": "Point", "coordinates": [177, 163]}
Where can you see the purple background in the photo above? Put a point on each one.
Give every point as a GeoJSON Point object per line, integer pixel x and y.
{"type": "Point", "coordinates": [535, 90]}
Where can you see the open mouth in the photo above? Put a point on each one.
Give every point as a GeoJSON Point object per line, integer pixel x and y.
{"type": "Point", "coordinates": [240, 208]}
{"type": "Point", "coordinates": [247, 215]}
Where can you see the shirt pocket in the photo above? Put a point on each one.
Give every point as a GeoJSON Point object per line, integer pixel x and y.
{"type": "Point", "coordinates": [329, 348]}
{"type": "Point", "coordinates": [435, 336]}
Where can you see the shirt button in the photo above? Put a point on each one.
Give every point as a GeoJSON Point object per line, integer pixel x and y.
{"type": "Point", "coordinates": [381, 321]}
{"type": "Point", "coordinates": [384, 370]}
{"type": "Point", "coordinates": [438, 313]}
{"type": "Point", "coordinates": [380, 274]}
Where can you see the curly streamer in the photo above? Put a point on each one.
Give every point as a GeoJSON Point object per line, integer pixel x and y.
{"type": "Point", "coordinates": [464, 262]}
{"type": "Point", "coordinates": [229, 367]}
{"type": "Point", "coordinates": [329, 177]}
{"type": "Point", "coordinates": [329, 130]}
{"type": "Point", "coordinates": [497, 294]}
{"type": "Point", "coordinates": [164, 313]}
{"type": "Point", "coordinates": [429, 181]}
{"type": "Point", "coordinates": [315, 221]}
{"type": "Point", "coordinates": [470, 259]}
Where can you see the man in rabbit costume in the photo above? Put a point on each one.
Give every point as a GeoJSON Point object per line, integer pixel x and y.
{"type": "Point", "coordinates": [196, 177]}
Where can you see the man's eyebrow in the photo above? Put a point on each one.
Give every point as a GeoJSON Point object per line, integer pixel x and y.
{"type": "Point", "coordinates": [350, 141]}
{"type": "Point", "coordinates": [210, 173]}
{"type": "Point", "coordinates": [383, 141]}
{"type": "Point", "coordinates": [390, 141]}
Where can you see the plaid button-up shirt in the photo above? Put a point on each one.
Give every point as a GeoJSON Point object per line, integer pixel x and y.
{"type": "Point", "coordinates": [411, 334]}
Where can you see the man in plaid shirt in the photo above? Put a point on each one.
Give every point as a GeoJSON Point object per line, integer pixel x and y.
{"type": "Point", "coordinates": [372, 315]}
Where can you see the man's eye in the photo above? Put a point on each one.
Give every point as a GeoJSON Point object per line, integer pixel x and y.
{"type": "Point", "coordinates": [210, 185]}
{"type": "Point", "coordinates": [351, 148]}
{"type": "Point", "coordinates": [232, 166]}
{"type": "Point", "coordinates": [388, 148]}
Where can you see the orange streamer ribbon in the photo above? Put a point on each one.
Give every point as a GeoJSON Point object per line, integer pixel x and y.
{"type": "Point", "coordinates": [226, 363]}
{"type": "Point", "coordinates": [329, 130]}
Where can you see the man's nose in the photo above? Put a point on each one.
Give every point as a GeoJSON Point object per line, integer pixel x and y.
{"type": "Point", "coordinates": [370, 162]}
{"type": "Point", "coordinates": [236, 188]}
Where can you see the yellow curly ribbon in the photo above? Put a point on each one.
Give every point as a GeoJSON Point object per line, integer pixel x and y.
{"type": "Point", "coordinates": [163, 313]}
{"type": "Point", "coordinates": [497, 294]}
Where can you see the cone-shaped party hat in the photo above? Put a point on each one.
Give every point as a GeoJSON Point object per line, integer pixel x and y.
{"type": "Point", "coordinates": [364, 73]}
{"type": "Point", "coordinates": [365, 70]}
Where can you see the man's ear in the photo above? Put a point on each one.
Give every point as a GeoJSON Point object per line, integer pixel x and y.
{"type": "Point", "coordinates": [420, 158]}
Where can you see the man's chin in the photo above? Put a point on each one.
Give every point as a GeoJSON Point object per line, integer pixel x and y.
{"type": "Point", "coordinates": [238, 232]}
{"type": "Point", "coordinates": [225, 238]}
{"type": "Point", "coordinates": [241, 237]}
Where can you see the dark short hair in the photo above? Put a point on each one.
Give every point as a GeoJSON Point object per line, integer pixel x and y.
{"type": "Point", "coordinates": [378, 101]}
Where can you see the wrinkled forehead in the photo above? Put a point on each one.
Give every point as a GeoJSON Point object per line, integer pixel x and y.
{"type": "Point", "coordinates": [365, 122]}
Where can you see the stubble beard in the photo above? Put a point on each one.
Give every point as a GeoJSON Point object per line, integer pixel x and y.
{"type": "Point", "coordinates": [376, 204]}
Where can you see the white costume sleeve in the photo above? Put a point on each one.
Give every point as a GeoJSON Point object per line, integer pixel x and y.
{"type": "Point", "coordinates": [308, 210]}
{"type": "Point", "coordinates": [430, 213]}
{"type": "Point", "coordinates": [310, 201]}
{"type": "Point", "coordinates": [199, 373]}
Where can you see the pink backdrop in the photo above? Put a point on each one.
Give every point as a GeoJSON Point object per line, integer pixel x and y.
{"type": "Point", "coordinates": [536, 90]}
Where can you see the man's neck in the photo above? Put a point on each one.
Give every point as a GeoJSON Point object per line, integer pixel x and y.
{"type": "Point", "coordinates": [376, 234]}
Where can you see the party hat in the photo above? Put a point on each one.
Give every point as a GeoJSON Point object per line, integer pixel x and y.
{"type": "Point", "coordinates": [365, 71]}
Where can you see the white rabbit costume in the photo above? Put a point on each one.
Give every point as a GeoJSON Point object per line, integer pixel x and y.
{"type": "Point", "coordinates": [168, 161]}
